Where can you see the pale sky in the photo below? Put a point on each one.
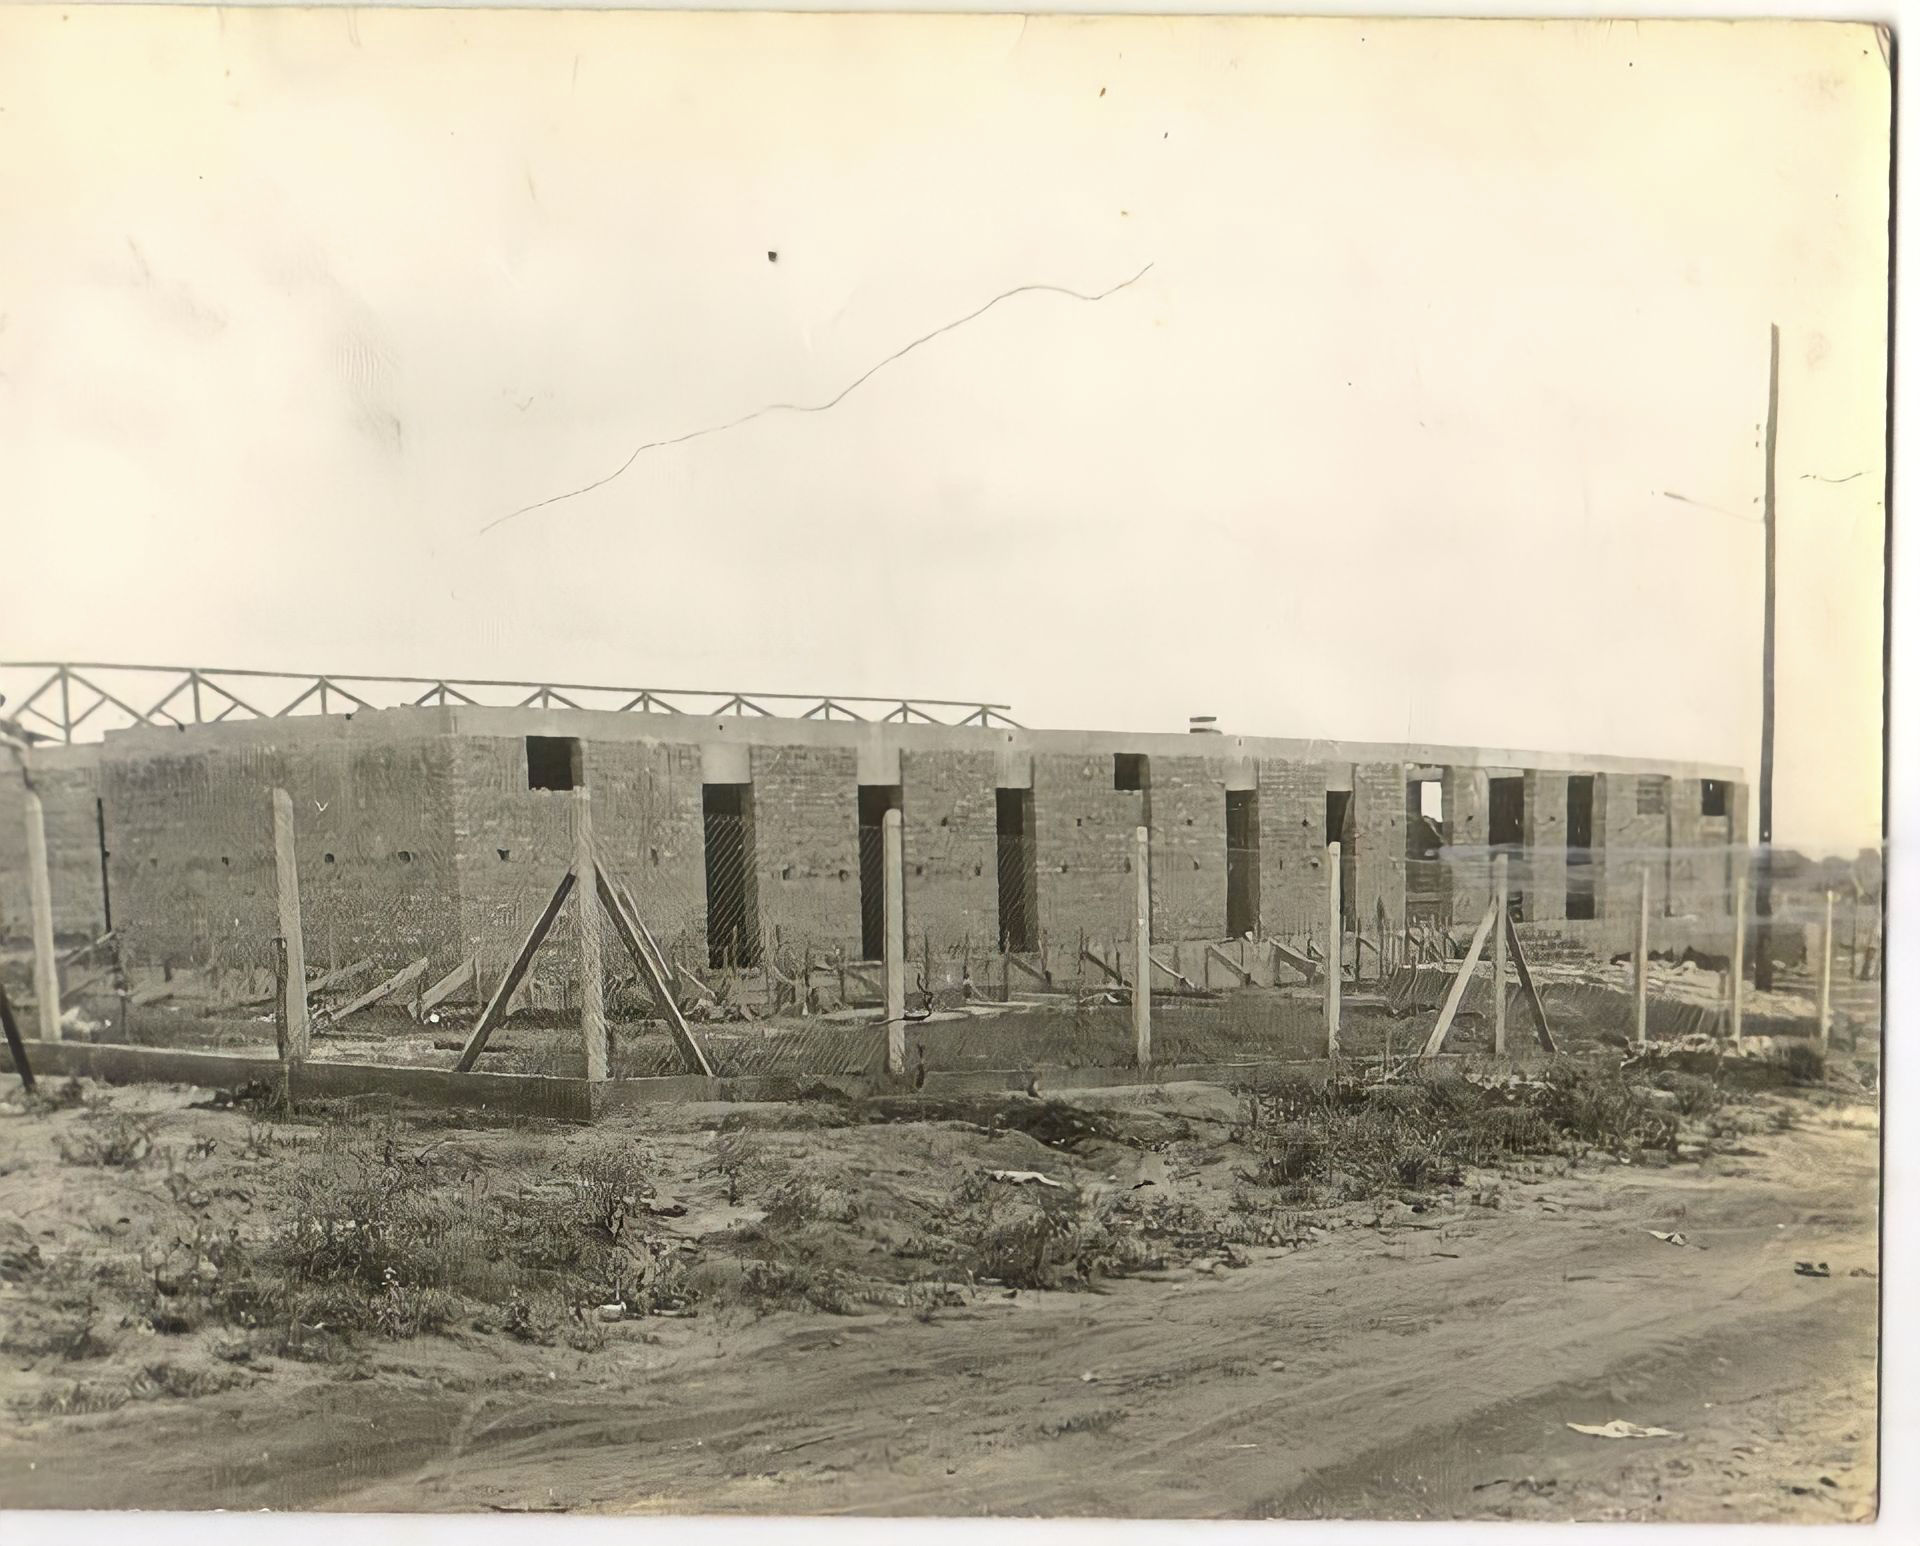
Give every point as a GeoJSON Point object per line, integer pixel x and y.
{"type": "Point", "coordinates": [293, 304]}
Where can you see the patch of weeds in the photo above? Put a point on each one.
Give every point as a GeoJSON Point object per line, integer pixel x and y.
{"type": "Point", "coordinates": [1804, 1063]}
{"type": "Point", "coordinates": [68, 1095]}
{"type": "Point", "coordinates": [1098, 1421]}
{"type": "Point", "coordinates": [1694, 1095]}
{"type": "Point", "coordinates": [118, 1142]}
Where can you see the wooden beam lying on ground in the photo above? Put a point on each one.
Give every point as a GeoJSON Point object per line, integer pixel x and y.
{"type": "Point", "coordinates": [1184, 981]}
{"type": "Point", "coordinates": [467, 973]}
{"type": "Point", "coordinates": [340, 975]}
{"type": "Point", "coordinates": [409, 973]}
{"type": "Point", "coordinates": [1459, 989]}
{"type": "Point", "coordinates": [495, 1011]}
{"type": "Point", "coordinates": [1245, 976]}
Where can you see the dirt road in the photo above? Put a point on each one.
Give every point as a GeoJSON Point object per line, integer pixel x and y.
{"type": "Point", "coordinates": [1427, 1368]}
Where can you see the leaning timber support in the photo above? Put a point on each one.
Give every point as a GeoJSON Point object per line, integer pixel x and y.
{"type": "Point", "coordinates": [1529, 989]}
{"type": "Point", "coordinates": [1214, 952]}
{"type": "Point", "coordinates": [495, 1011]}
{"type": "Point", "coordinates": [406, 976]}
{"type": "Point", "coordinates": [466, 974]}
{"type": "Point", "coordinates": [653, 970]}
{"type": "Point", "coordinates": [1461, 979]}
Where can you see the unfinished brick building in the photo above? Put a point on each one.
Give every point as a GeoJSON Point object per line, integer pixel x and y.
{"type": "Point", "coordinates": [741, 836]}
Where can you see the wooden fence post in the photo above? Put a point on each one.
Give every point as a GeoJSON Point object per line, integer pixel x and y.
{"type": "Point", "coordinates": [46, 974]}
{"type": "Point", "coordinates": [1500, 956]}
{"type": "Point", "coordinates": [1737, 964]}
{"type": "Point", "coordinates": [1640, 960]}
{"type": "Point", "coordinates": [586, 902]}
{"type": "Point", "coordinates": [1826, 976]}
{"type": "Point", "coordinates": [1142, 950]}
{"type": "Point", "coordinates": [893, 881]}
{"type": "Point", "coordinates": [1333, 950]}
{"type": "Point", "coordinates": [287, 880]}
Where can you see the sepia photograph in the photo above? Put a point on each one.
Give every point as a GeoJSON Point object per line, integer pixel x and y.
{"type": "Point", "coordinates": [949, 766]}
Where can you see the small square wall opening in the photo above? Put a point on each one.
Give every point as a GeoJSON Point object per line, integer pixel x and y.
{"type": "Point", "coordinates": [1713, 797]}
{"type": "Point", "coordinates": [553, 762]}
{"type": "Point", "coordinates": [1130, 770]}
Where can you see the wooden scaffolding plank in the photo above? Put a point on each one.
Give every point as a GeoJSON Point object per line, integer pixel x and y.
{"type": "Point", "coordinates": [463, 975]}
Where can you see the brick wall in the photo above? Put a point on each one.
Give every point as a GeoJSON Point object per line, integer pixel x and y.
{"type": "Point", "coordinates": [807, 839]}
{"type": "Point", "coordinates": [1380, 852]}
{"type": "Point", "coordinates": [1464, 826]}
{"type": "Point", "coordinates": [1293, 820]}
{"type": "Point", "coordinates": [190, 839]}
{"type": "Point", "coordinates": [1545, 877]}
{"type": "Point", "coordinates": [647, 822]}
{"type": "Point", "coordinates": [68, 784]}
{"type": "Point", "coordinates": [1189, 841]}
{"type": "Point", "coordinates": [1084, 829]}
{"type": "Point", "coordinates": [948, 812]}
{"type": "Point", "coordinates": [1631, 839]}
{"type": "Point", "coordinates": [512, 845]}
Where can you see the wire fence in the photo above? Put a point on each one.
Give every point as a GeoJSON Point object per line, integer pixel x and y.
{"type": "Point", "coordinates": [776, 963]}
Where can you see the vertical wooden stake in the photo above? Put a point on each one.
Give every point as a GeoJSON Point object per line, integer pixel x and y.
{"type": "Point", "coordinates": [1826, 976]}
{"type": "Point", "coordinates": [893, 866]}
{"type": "Point", "coordinates": [1640, 960]}
{"type": "Point", "coordinates": [1500, 956]}
{"type": "Point", "coordinates": [593, 1001]}
{"type": "Point", "coordinates": [46, 975]}
{"type": "Point", "coordinates": [1738, 964]}
{"type": "Point", "coordinates": [1142, 951]}
{"type": "Point", "coordinates": [1333, 950]}
{"type": "Point", "coordinates": [287, 878]}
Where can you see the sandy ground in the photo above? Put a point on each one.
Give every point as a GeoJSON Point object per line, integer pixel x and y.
{"type": "Point", "coordinates": [1395, 1364]}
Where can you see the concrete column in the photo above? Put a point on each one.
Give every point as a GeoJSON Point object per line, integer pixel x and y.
{"type": "Point", "coordinates": [586, 901]}
{"type": "Point", "coordinates": [1640, 960]}
{"type": "Point", "coordinates": [1333, 950]}
{"type": "Point", "coordinates": [893, 864]}
{"type": "Point", "coordinates": [287, 881]}
{"type": "Point", "coordinates": [1738, 962]}
{"type": "Point", "coordinates": [1500, 954]}
{"type": "Point", "coordinates": [46, 975]}
{"type": "Point", "coordinates": [1142, 951]}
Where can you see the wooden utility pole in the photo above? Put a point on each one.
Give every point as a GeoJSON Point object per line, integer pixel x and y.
{"type": "Point", "coordinates": [1763, 883]}
{"type": "Point", "coordinates": [1640, 964]}
{"type": "Point", "coordinates": [46, 974]}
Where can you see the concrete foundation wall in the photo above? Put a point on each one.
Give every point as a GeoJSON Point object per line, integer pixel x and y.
{"type": "Point", "coordinates": [67, 779]}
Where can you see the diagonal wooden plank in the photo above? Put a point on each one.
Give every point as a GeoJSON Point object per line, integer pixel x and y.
{"type": "Point", "coordinates": [373, 995]}
{"type": "Point", "coordinates": [1459, 989]}
{"type": "Point", "coordinates": [1107, 968]}
{"type": "Point", "coordinates": [462, 975]}
{"type": "Point", "coordinates": [1245, 976]}
{"type": "Point", "coordinates": [1528, 987]}
{"type": "Point", "coordinates": [341, 975]}
{"type": "Point", "coordinates": [632, 931]}
{"type": "Point", "coordinates": [496, 1006]}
